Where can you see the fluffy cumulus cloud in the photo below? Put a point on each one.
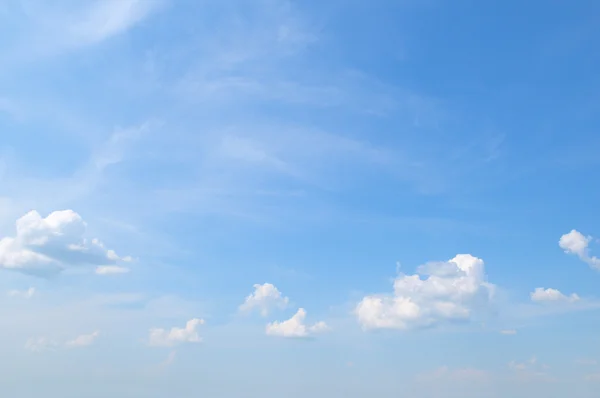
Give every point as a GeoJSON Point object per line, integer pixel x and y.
{"type": "Point", "coordinates": [264, 298]}
{"type": "Point", "coordinates": [295, 327]}
{"type": "Point", "coordinates": [169, 338]}
{"type": "Point", "coordinates": [578, 244]}
{"type": "Point", "coordinates": [44, 246]}
{"type": "Point", "coordinates": [441, 291]}
{"type": "Point", "coordinates": [541, 295]}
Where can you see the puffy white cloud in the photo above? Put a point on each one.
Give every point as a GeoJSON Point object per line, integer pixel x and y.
{"type": "Point", "coordinates": [576, 243]}
{"type": "Point", "coordinates": [44, 246]}
{"type": "Point", "coordinates": [449, 291]}
{"type": "Point", "coordinates": [168, 338]}
{"type": "Point", "coordinates": [83, 340]}
{"type": "Point", "coordinates": [264, 298]}
{"type": "Point", "coordinates": [541, 295]}
{"type": "Point", "coordinates": [26, 294]}
{"type": "Point", "coordinates": [111, 270]}
{"type": "Point", "coordinates": [295, 327]}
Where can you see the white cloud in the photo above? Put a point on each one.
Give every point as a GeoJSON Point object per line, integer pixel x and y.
{"type": "Point", "coordinates": [26, 294]}
{"type": "Point", "coordinates": [264, 298]}
{"type": "Point", "coordinates": [541, 295]}
{"type": "Point", "coordinates": [576, 243]}
{"type": "Point", "coordinates": [83, 340]}
{"type": "Point", "coordinates": [111, 270]}
{"type": "Point", "coordinates": [44, 246]}
{"type": "Point", "coordinates": [508, 332]}
{"type": "Point", "coordinates": [169, 338]}
{"type": "Point", "coordinates": [107, 18]}
{"type": "Point", "coordinates": [450, 291]}
{"type": "Point", "coordinates": [295, 327]}
{"type": "Point", "coordinates": [54, 29]}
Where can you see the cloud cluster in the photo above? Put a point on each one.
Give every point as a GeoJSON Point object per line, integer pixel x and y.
{"type": "Point", "coordinates": [295, 327]}
{"type": "Point", "coordinates": [578, 244]}
{"type": "Point", "coordinates": [449, 291]}
{"type": "Point", "coordinates": [46, 246]}
{"type": "Point", "coordinates": [168, 338]}
{"type": "Point", "coordinates": [265, 298]}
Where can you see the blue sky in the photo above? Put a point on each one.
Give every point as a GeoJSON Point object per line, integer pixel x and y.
{"type": "Point", "coordinates": [278, 198]}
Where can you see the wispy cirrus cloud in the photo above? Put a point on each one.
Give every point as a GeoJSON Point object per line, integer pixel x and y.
{"type": "Point", "coordinates": [50, 30]}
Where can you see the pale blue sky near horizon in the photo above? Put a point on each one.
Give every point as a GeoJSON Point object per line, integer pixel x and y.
{"type": "Point", "coordinates": [330, 149]}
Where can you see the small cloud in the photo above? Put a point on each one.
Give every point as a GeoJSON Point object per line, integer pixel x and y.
{"type": "Point", "coordinates": [40, 344]}
{"type": "Point", "coordinates": [26, 294]}
{"type": "Point", "coordinates": [111, 270]}
{"type": "Point", "coordinates": [264, 298]}
{"type": "Point", "coordinates": [83, 340]}
{"type": "Point", "coordinates": [295, 327]}
{"type": "Point", "coordinates": [44, 343]}
{"type": "Point", "coordinates": [508, 332]}
{"type": "Point", "coordinates": [168, 338]}
{"type": "Point", "coordinates": [576, 243]}
{"type": "Point", "coordinates": [541, 295]}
